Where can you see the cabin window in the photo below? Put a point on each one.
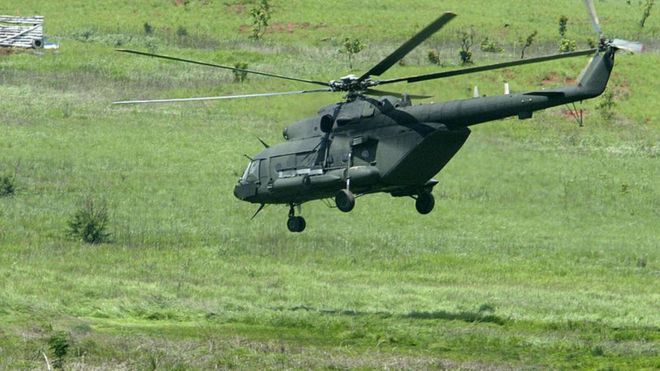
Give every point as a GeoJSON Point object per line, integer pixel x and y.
{"type": "Point", "coordinates": [251, 172]}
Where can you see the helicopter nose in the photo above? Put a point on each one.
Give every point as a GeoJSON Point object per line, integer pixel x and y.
{"type": "Point", "coordinates": [245, 191]}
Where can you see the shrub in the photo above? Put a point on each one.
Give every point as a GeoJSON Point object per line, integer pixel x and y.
{"type": "Point", "coordinates": [646, 13]}
{"type": "Point", "coordinates": [240, 76]}
{"type": "Point", "coordinates": [528, 42]}
{"type": "Point", "coordinates": [490, 46]}
{"type": "Point", "coordinates": [467, 40]}
{"type": "Point", "coordinates": [260, 17]}
{"type": "Point", "coordinates": [59, 345]}
{"type": "Point", "coordinates": [433, 57]}
{"type": "Point", "coordinates": [563, 26]}
{"type": "Point", "coordinates": [181, 31]}
{"type": "Point", "coordinates": [89, 222]}
{"type": "Point", "coordinates": [350, 47]}
{"type": "Point", "coordinates": [6, 186]}
{"type": "Point", "coordinates": [567, 45]}
{"type": "Point", "coordinates": [606, 106]}
{"type": "Point", "coordinates": [148, 28]}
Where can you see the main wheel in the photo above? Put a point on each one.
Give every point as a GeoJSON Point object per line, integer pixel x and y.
{"type": "Point", "coordinates": [424, 203]}
{"type": "Point", "coordinates": [345, 200]}
{"type": "Point", "coordinates": [296, 223]}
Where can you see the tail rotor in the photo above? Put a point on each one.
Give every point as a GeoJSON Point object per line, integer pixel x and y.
{"type": "Point", "coordinates": [620, 44]}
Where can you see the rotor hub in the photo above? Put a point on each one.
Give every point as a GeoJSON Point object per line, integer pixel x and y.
{"type": "Point", "coordinates": [351, 83]}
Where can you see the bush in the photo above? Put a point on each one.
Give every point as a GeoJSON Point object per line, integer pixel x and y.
{"type": "Point", "coordinates": [433, 57]}
{"type": "Point", "coordinates": [351, 47]}
{"type": "Point", "coordinates": [6, 186]}
{"type": "Point", "coordinates": [567, 45]}
{"type": "Point", "coordinates": [148, 28]}
{"type": "Point", "coordinates": [181, 31]}
{"type": "Point", "coordinates": [89, 223]}
{"type": "Point", "coordinates": [59, 345]}
{"type": "Point", "coordinates": [490, 46]}
{"type": "Point", "coordinates": [467, 40]}
{"type": "Point", "coordinates": [606, 105]}
{"type": "Point", "coordinates": [260, 14]}
{"type": "Point", "coordinates": [240, 76]}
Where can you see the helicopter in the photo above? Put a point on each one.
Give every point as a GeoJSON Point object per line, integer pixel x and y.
{"type": "Point", "coordinates": [378, 141]}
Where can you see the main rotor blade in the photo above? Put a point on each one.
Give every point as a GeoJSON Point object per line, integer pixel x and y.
{"type": "Point", "coordinates": [221, 66]}
{"type": "Point", "coordinates": [382, 93]}
{"type": "Point", "coordinates": [222, 97]}
{"type": "Point", "coordinates": [409, 45]}
{"type": "Point", "coordinates": [439, 75]}
{"type": "Point", "coordinates": [594, 17]}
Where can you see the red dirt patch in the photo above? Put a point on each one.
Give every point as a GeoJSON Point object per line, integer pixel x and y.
{"type": "Point", "coordinates": [7, 51]}
{"type": "Point", "coordinates": [550, 78]}
{"type": "Point", "coordinates": [236, 8]}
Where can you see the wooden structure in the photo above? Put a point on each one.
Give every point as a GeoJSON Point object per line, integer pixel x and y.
{"type": "Point", "coordinates": [21, 32]}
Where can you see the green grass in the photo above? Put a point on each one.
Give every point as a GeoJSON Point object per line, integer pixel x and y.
{"type": "Point", "coordinates": [542, 251]}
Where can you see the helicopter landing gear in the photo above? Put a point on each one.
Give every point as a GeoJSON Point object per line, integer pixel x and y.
{"type": "Point", "coordinates": [345, 200]}
{"type": "Point", "coordinates": [424, 203]}
{"type": "Point", "coordinates": [295, 224]}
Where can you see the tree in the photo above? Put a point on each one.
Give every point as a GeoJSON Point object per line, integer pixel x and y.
{"type": "Point", "coordinates": [565, 44]}
{"type": "Point", "coordinates": [260, 17]}
{"type": "Point", "coordinates": [528, 42]}
{"type": "Point", "coordinates": [646, 13]}
{"type": "Point", "coordinates": [467, 40]}
{"type": "Point", "coordinates": [350, 47]}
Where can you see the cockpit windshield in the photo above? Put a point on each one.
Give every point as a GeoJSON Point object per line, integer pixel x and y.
{"type": "Point", "coordinates": [251, 173]}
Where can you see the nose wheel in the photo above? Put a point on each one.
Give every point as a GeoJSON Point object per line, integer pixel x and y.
{"type": "Point", "coordinates": [295, 223]}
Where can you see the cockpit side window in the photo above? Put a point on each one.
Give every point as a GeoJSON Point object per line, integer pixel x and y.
{"type": "Point", "coordinates": [251, 173]}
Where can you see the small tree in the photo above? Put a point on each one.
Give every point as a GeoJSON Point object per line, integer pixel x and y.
{"type": "Point", "coordinates": [148, 28]}
{"type": "Point", "coordinates": [528, 42]}
{"type": "Point", "coordinates": [89, 223]}
{"type": "Point", "coordinates": [239, 75]}
{"type": "Point", "coordinates": [606, 106]}
{"type": "Point", "coordinates": [433, 57]}
{"type": "Point", "coordinates": [647, 12]}
{"type": "Point", "coordinates": [6, 186]}
{"type": "Point", "coordinates": [260, 14]}
{"type": "Point", "coordinates": [350, 47]}
{"type": "Point", "coordinates": [490, 46]}
{"type": "Point", "coordinates": [59, 344]}
{"type": "Point", "coordinates": [467, 40]}
{"type": "Point", "coordinates": [565, 44]}
{"type": "Point", "coordinates": [563, 25]}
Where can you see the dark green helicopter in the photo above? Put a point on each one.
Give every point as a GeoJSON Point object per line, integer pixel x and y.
{"type": "Point", "coordinates": [377, 141]}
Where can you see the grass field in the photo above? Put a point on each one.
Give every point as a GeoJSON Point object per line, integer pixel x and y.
{"type": "Point", "coordinates": [542, 251]}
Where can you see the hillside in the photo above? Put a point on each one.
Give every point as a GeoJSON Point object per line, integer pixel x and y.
{"type": "Point", "coordinates": [542, 251]}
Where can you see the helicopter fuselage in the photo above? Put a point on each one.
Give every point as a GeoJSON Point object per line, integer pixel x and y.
{"type": "Point", "coordinates": [369, 145]}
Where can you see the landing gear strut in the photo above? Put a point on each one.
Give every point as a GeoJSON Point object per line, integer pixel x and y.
{"type": "Point", "coordinates": [295, 223]}
{"type": "Point", "coordinates": [424, 203]}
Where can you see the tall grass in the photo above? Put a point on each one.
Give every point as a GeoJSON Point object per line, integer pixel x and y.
{"type": "Point", "coordinates": [542, 250]}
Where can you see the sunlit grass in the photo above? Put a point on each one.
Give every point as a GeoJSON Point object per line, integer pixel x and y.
{"type": "Point", "coordinates": [542, 250]}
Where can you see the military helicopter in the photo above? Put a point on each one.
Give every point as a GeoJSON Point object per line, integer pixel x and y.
{"type": "Point", "coordinates": [378, 141]}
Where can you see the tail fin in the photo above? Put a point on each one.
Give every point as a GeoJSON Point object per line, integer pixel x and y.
{"type": "Point", "coordinates": [593, 80]}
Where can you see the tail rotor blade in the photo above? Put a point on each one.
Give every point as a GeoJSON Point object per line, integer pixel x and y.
{"type": "Point", "coordinates": [631, 46]}
{"type": "Point", "coordinates": [594, 17]}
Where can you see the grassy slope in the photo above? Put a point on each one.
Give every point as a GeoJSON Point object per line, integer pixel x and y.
{"type": "Point", "coordinates": [542, 250]}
